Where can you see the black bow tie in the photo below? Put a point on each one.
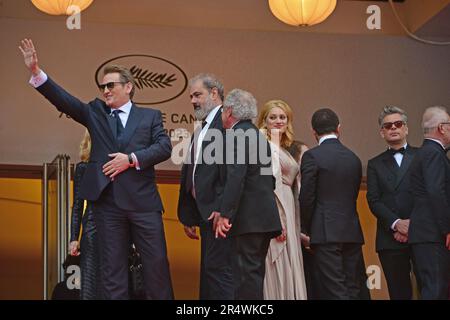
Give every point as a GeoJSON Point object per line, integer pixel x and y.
{"type": "Point", "coordinates": [394, 151]}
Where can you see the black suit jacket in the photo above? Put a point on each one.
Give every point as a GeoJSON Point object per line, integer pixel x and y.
{"type": "Point", "coordinates": [330, 181]}
{"type": "Point", "coordinates": [430, 186]}
{"type": "Point", "coordinates": [248, 197]}
{"type": "Point", "coordinates": [209, 180]}
{"type": "Point", "coordinates": [389, 194]}
{"type": "Point", "coordinates": [144, 135]}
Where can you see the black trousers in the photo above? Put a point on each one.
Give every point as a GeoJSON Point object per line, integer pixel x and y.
{"type": "Point", "coordinates": [216, 278]}
{"type": "Point", "coordinates": [249, 269]}
{"type": "Point", "coordinates": [311, 275]}
{"type": "Point", "coordinates": [432, 261]}
{"type": "Point", "coordinates": [397, 267]}
{"type": "Point", "coordinates": [115, 227]}
{"type": "Point", "coordinates": [339, 270]}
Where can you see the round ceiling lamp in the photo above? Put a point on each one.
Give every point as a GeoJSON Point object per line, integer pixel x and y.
{"type": "Point", "coordinates": [60, 7]}
{"type": "Point", "coordinates": [302, 12]}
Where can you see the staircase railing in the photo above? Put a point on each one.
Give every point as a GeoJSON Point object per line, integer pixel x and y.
{"type": "Point", "coordinates": [55, 215]}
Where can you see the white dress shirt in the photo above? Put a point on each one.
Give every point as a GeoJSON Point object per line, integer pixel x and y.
{"type": "Point", "coordinates": [123, 116]}
{"type": "Point", "coordinates": [398, 156]}
{"type": "Point", "coordinates": [39, 79]}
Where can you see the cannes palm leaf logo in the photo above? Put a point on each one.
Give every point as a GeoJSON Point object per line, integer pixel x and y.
{"type": "Point", "coordinates": [153, 80]}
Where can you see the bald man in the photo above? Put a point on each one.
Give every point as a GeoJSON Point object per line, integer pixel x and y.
{"type": "Point", "coordinates": [429, 230]}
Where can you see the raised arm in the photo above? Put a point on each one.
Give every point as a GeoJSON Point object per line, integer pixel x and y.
{"type": "Point", "coordinates": [60, 98]}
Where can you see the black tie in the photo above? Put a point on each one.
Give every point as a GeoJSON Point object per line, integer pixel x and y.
{"type": "Point", "coordinates": [119, 125]}
{"type": "Point", "coordinates": [395, 151]}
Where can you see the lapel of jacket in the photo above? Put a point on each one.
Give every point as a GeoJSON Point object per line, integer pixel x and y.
{"type": "Point", "coordinates": [112, 125]}
{"type": "Point", "coordinates": [216, 124]}
{"type": "Point", "coordinates": [132, 123]}
{"type": "Point", "coordinates": [217, 121]}
{"type": "Point", "coordinates": [108, 125]}
{"type": "Point", "coordinates": [390, 163]}
{"type": "Point", "coordinates": [406, 162]}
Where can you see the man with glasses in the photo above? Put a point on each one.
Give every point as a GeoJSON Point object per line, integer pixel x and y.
{"type": "Point", "coordinates": [429, 231]}
{"type": "Point", "coordinates": [127, 141]}
{"type": "Point", "coordinates": [389, 198]}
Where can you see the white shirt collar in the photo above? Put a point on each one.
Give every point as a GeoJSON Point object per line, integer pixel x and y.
{"type": "Point", "coordinates": [435, 140]}
{"type": "Point", "coordinates": [125, 108]}
{"type": "Point", "coordinates": [326, 137]}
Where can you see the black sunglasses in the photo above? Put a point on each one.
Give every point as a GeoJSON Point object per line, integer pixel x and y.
{"type": "Point", "coordinates": [109, 85]}
{"type": "Point", "coordinates": [388, 125]}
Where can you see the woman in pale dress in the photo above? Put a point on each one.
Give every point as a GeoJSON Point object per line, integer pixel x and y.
{"type": "Point", "coordinates": [285, 278]}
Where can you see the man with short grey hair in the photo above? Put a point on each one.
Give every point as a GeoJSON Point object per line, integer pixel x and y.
{"type": "Point", "coordinates": [248, 211]}
{"type": "Point", "coordinates": [429, 231]}
{"type": "Point", "coordinates": [390, 200]}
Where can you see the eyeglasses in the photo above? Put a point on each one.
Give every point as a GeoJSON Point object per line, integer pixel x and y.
{"type": "Point", "coordinates": [397, 124]}
{"type": "Point", "coordinates": [444, 123]}
{"type": "Point", "coordinates": [109, 85]}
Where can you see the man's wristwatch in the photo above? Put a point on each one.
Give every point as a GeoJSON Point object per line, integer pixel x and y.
{"type": "Point", "coordinates": [130, 159]}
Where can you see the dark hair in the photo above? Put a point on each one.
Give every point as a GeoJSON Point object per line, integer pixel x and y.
{"type": "Point", "coordinates": [125, 76]}
{"type": "Point", "coordinates": [324, 121]}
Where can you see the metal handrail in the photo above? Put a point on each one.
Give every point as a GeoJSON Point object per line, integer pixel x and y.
{"type": "Point", "coordinates": [63, 175]}
{"type": "Point", "coordinates": [45, 228]}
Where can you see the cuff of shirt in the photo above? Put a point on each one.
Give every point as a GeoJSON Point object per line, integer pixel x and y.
{"type": "Point", "coordinates": [135, 161]}
{"type": "Point", "coordinates": [393, 225]}
{"type": "Point", "coordinates": [38, 80]}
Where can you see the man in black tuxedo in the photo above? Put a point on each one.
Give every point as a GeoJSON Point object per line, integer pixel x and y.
{"type": "Point", "coordinates": [201, 188]}
{"type": "Point", "coordinates": [330, 180]}
{"type": "Point", "coordinates": [248, 211]}
{"type": "Point", "coordinates": [390, 200]}
{"type": "Point", "coordinates": [127, 141]}
{"type": "Point", "coordinates": [429, 230]}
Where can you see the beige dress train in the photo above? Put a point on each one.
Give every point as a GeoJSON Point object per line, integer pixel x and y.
{"type": "Point", "coordinates": [285, 278]}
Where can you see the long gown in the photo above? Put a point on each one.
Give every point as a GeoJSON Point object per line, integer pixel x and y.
{"type": "Point", "coordinates": [89, 251]}
{"type": "Point", "coordinates": [285, 278]}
